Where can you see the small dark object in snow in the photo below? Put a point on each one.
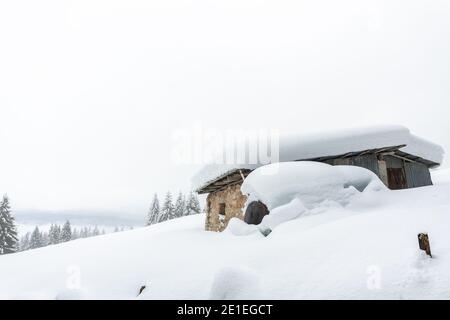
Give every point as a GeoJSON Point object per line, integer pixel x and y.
{"type": "Point", "coordinates": [424, 243]}
{"type": "Point", "coordinates": [266, 232]}
{"type": "Point", "coordinates": [142, 290]}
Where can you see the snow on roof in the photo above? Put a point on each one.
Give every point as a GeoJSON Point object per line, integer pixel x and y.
{"type": "Point", "coordinates": [303, 147]}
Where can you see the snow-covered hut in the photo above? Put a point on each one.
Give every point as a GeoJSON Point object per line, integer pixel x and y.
{"type": "Point", "coordinates": [400, 159]}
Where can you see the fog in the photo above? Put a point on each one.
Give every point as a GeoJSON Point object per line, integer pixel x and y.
{"type": "Point", "coordinates": [91, 92]}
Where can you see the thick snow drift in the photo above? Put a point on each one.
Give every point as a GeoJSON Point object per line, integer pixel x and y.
{"type": "Point", "coordinates": [235, 283]}
{"type": "Point", "coordinates": [281, 214]}
{"type": "Point", "coordinates": [293, 147]}
{"type": "Point", "coordinates": [238, 227]}
{"type": "Point", "coordinates": [292, 189]}
{"type": "Point", "coordinates": [312, 182]}
{"type": "Point", "coordinates": [366, 249]}
{"type": "Point", "coordinates": [296, 147]}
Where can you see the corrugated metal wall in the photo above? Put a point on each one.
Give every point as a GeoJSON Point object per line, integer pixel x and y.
{"type": "Point", "coordinates": [368, 161]}
{"type": "Point", "coordinates": [417, 175]}
{"type": "Point", "coordinates": [392, 162]}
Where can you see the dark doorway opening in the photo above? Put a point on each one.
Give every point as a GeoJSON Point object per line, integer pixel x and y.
{"type": "Point", "coordinates": [255, 212]}
{"type": "Point", "coordinates": [222, 209]}
{"type": "Point", "coordinates": [396, 178]}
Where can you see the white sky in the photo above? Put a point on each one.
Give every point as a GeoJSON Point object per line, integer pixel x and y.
{"type": "Point", "coordinates": [91, 91]}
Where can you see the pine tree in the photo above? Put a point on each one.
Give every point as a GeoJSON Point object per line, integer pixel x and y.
{"type": "Point", "coordinates": [154, 212]}
{"type": "Point", "coordinates": [36, 239]}
{"type": "Point", "coordinates": [66, 232]}
{"type": "Point", "coordinates": [24, 243]}
{"type": "Point", "coordinates": [45, 239]}
{"type": "Point", "coordinates": [167, 208]}
{"type": "Point", "coordinates": [51, 232]}
{"type": "Point", "coordinates": [58, 232]}
{"type": "Point", "coordinates": [75, 234]}
{"type": "Point", "coordinates": [180, 206]}
{"type": "Point", "coordinates": [192, 205]}
{"type": "Point", "coordinates": [96, 232]}
{"type": "Point", "coordinates": [8, 231]}
{"type": "Point", "coordinates": [54, 234]}
{"type": "Point", "coordinates": [84, 232]}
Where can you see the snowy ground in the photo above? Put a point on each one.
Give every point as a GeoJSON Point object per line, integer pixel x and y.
{"type": "Point", "coordinates": [367, 249]}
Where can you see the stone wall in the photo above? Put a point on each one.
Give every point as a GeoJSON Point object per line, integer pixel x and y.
{"type": "Point", "coordinates": [234, 202]}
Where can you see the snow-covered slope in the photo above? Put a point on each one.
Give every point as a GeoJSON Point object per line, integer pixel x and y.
{"type": "Point", "coordinates": [367, 249]}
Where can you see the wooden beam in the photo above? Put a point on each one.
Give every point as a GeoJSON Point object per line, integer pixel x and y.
{"type": "Point", "coordinates": [402, 158]}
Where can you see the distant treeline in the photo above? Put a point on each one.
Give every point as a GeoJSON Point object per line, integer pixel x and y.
{"type": "Point", "coordinates": [56, 234]}
{"type": "Point", "coordinates": [183, 206]}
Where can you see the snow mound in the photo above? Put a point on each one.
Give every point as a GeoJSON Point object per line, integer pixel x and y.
{"type": "Point", "coordinates": [312, 182]}
{"type": "Point", "coordinates": [361, 179]}
{"type": "Point", "coordinates": [281, 214]}
{"type": "Point", "coordinates": [337, 142]}
{"type": "Point", "coordinates": [238, 227]}
{"type": "Point", "coordinates": [236, 283]}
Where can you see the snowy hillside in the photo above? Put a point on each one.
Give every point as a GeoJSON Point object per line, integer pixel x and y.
{"type": "Point", "coordinates": [365, 249]}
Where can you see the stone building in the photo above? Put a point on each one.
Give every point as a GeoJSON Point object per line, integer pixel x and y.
{"type": "Point", "coordinates": [400, 159]}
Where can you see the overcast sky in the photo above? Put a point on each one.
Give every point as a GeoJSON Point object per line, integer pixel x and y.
{"type": "Point", "coordinates": [92, 91]}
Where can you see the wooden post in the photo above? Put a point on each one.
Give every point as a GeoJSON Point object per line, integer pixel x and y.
{"type": "Point", "coordinates": [142, 290]}
{"type": "Point", "coordinates": [242, 175]}
{"type": "Point", "coordinates": [424, 243]}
